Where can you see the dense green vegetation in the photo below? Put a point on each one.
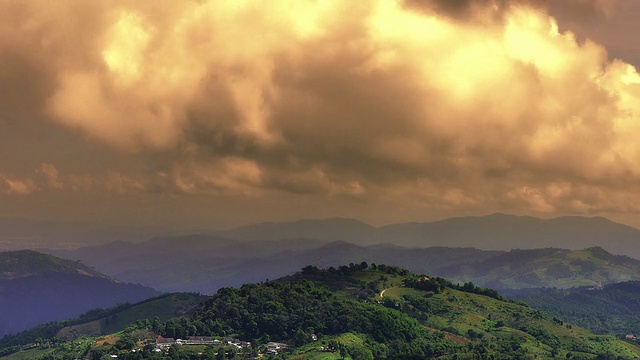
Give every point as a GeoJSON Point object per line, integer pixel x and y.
{"type": "Point", "coordinates": [357, 312]}
{"type": "Point", "coordinates": [550, 267]}
{"type": "Point", "coordinates": [615, 309]}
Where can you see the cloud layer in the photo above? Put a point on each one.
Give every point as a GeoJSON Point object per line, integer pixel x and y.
{"type": "Point", "coordinates": [481, 106]}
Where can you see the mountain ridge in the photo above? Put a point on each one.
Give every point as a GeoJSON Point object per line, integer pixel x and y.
{"type": "Point", "coordinates": [547, 267]}
{"type": "Point", "coordinates": [24, 263]}
{"type": "Point", "coordinates": [37, 288]}
{"type": "Point", "coordinates": [496, 231]}
{"type": "Point", "coordinates": [252, 261]}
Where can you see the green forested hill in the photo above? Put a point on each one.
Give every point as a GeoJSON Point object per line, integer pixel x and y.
{"type": "Point", "coordinates": [550, 267]}
{"type": "Point", "coordinates": [361, 312]}
{"type": "Point", "coordinates": [612, 309]}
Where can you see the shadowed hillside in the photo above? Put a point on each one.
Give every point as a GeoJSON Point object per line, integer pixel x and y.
{"type": "Point", "coordinates": [37, 288]}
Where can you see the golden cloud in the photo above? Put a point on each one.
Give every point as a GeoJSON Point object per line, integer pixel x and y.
{"type": "Point", "coordinates": [494, 108]}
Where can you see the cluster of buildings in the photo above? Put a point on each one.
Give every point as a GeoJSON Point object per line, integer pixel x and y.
{"type": "Point", "coordinates": [162, 342]}
{"type": "Point", "coordinates": [274, 347]}
{"type": "Point", "coordinates": [598, 287]}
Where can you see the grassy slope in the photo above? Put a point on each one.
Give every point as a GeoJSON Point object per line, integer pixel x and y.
{"type": "Point", "coordinates": [457, 314]}
{"type": "Point", "coordinates": [164, 307]}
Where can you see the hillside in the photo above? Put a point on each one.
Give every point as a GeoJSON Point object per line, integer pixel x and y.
{"type": "Point", "coordinates": [359, 312]}
{"type": "Point", "coordinates": [105, 321]}
{"type": "Point", "coordinates": [25, 263]}
{"type": "Point", "coordinates": [611, 309]}
{"type": "Point", "coordinates": [548, 267]}
{"type": "Point", "coordinates": [37, 288]}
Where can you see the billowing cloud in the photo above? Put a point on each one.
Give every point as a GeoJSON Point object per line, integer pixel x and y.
{"type": "Point", "coordinates": [469, 104]}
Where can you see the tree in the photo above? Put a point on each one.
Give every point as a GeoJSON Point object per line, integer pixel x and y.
{"type": "Point", "coordinates": [231, 353]}
{"type": "Point", "coordinates": [156, 325]}
{"type": "Point", "coordinates": [220, 355]}
{"type": "Point", "coordinates": [333, 345]}
{"type": "Point", "coordinates": [300, 337]}
{"type": "Point", "coordinates": [359, 353]}
{"type": "Point", "coordinates": [343, 351]}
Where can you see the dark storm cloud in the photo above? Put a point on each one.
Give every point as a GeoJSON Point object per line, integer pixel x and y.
{"type": "Point", "coordinates": [468, 10]}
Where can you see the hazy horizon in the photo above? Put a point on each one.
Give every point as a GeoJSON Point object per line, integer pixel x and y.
{"type": "Point", "coordinates": [212, 228]}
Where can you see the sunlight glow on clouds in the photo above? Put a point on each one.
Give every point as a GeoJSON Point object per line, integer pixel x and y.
{"type": "Point", "coordinates": [487, 106]}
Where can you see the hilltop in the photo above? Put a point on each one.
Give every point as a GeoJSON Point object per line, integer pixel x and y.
{"type": "Point", "coordinates": [358, 312]}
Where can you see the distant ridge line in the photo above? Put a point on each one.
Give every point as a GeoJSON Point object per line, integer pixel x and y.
{"type": "Point", "coordinates": [496, 231]}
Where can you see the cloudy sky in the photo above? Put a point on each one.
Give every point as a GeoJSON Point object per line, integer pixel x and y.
{"type": "Point", "coordinates": [220, 113]}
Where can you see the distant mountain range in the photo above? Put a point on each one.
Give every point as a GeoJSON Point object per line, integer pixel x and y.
{"type": "Point", "coordinates": [17, 234]}
{"type": "Point", "coordinates": [37, 288]}
{"type": "Point", "coordinates": [205, 264]}
{"type": "Point", "coordinates": [494, 232]}
{"type": "Point", "coordinates": [491, 232]}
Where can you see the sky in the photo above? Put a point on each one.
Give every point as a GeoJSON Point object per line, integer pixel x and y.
{"type": "Point", "coordinates": [217, 114]}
